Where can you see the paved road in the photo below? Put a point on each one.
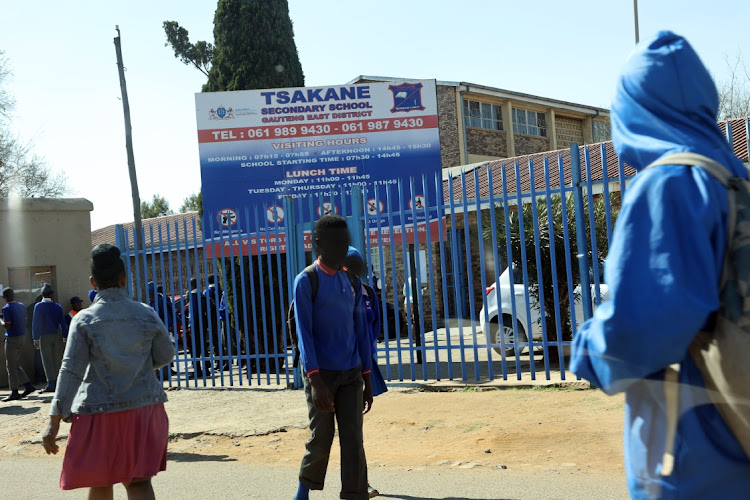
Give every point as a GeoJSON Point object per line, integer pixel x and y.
{"type": "Point", "coordinates": [36, 478]}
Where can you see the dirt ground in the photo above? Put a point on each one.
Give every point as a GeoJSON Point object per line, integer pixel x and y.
{"type": "Point", "coordinates": [553, 429]}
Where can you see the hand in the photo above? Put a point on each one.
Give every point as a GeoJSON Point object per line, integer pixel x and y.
{"type": "Point", "coordinates": [49, 436]}
{"type": "Point", "coordinates": [367, 395]}
{"type": "Point", "coordinates": [321, 395]}
{"type": "Point", "coordinates": [36, 345]}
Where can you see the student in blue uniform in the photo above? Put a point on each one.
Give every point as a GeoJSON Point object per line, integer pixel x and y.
{"type": "Point", "coordinates": [13, 319]}
{"type": "Point", "coordinates": [50, 332]}
{"type": "Point", "coordinates": [356, 265]}
{"type": "Point", "coordinates": [334, 344]}
{"type": "Point", "coordinates": [663, 271]}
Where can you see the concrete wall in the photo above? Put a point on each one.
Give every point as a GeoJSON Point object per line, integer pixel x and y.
{"type": "Point", "coordinates": [45, 233]}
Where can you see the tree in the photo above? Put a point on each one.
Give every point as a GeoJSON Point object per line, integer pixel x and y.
{"type": "Point", "coordinates": [193, 203]}
{"type": "Point", "coordinates": [22, 172]}
{"type": "Point", "coordinates": [734, 93]}
{"type": "Point", "coordinates": [545, 214]}
{"type": "Point", "coordinates": [199, 54]}
{"type": "Point", "coordinates": [157, 207]}
{"type": "Point", "coordinates": [253, 47]}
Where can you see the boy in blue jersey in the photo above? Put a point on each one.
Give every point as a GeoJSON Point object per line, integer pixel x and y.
{"type": "Point", "coordinates": [50, 332]}
{"type": "Point", "coordinates": [663, 271]}
{"type": "Point", "coordinates": [14, 320]}
{"type": "Point", "coordinates": [334, 344]}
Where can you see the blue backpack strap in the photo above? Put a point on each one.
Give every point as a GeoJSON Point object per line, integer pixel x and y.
{"type": "Point", "coordinates": [312, 275]}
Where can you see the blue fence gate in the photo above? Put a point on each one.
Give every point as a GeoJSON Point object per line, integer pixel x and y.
{"type": "Point", "coordinates": [487, 281]}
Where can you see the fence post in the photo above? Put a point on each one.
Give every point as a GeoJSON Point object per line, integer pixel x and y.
{"type": "Point", "coordinates": [294, 264]}
{"type": "Point", "coordinates": [357, 227]}
{"type": "Point", "coordinates": [583, 254]}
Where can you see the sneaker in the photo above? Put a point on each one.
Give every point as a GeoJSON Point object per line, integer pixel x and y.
{"type": "Point", "coordinates": [372, 492]}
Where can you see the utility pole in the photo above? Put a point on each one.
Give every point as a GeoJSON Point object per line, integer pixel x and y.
{"type": "Point", "coordinates": [138, 233]}
{"type": "Point", "coordinates": [635, 15]}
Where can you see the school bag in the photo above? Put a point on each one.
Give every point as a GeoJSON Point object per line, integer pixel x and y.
{"type": "Point", "coordinates": [722, 350]}
{"type": "Point", "coordinates": [291, 322]}
{"type": "Point", "coordinates": [209, 314]}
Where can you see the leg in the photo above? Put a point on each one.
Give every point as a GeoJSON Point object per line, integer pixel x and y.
{"type": "Point", "coordinates": [348, 400]}
{"type": "Point", "coordinates": [13, 350]}
{"type": "Point", "coordinates": [102, 493]}
{"type": "Point", "coordinates": [10, 365]}
{"type": "Point", "coordinates": [140, 489]}
{"type": "Point", "coordinates": [45, 348]}
{"type": "Point", "coordinates": [312, 472]}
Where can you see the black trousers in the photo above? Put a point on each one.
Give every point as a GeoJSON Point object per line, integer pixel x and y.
{"type": "Point", "coordinates": [347, 388]}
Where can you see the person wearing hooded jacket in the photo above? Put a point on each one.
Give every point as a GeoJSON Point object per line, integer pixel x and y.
{"type": "Point", "coordinates": [663, 271]}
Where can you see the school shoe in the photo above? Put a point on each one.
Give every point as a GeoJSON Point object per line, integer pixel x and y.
{"type": "Point", "coordinates": [12, 397]}
{"type": "Point", "coordinates": [27, 392]}
{"type": "Point", "coordinates": [47, 390]}
{"type": "Point", "coordinates": [372, 492]}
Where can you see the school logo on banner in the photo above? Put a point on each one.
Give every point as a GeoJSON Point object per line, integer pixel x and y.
{"type": "Point", "coordinates": [221, 113]}
{"type": "Point", "coordinates": [406, 97]}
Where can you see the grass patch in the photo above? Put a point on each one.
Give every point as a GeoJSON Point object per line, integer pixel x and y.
{"type": "Point", "coordinates": [470, 388]}
{"type": "Point", "coordinates": [474, 427]}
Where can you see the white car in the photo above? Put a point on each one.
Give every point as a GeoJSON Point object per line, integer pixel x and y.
{"type": "Point", "coordinates": [516, 293]}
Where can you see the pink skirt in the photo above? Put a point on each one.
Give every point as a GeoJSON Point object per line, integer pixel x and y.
{"type": "Point", "coordinates": [110, 448]}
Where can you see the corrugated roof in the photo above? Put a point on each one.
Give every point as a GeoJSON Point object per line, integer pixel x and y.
{"type": "Point", "coordinates": [740, 133]}
{"type": "Point", "coordinates": [107, 234]}
{"type": "Point", "coordinates": [537, 160]}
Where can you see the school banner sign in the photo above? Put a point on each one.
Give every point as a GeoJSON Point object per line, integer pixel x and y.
{"type": "Point", "coordinates": [314, 144]}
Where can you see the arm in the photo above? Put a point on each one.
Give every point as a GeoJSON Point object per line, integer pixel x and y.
{"type": "Point", "coordinates": [35, 328]}
{"type": "Point", "coordinates": [662, 270]}
{"type": "Point", "coordinates": [74, 364]}
{"type": "Point", "coordinates": [162, 348]}
{"type": "Point", "coordinates": [303, 318]}
{"type": "Point", "coordinates": [362, 333]}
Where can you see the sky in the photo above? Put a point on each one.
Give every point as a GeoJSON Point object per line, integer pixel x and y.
{"type": "Point", "coordinates": [67, 92]}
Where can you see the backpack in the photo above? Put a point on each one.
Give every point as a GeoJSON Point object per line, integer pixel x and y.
{"type": "Point", "coordinates": [291, 321]}
{"type": "Point", "coordinates": [209, 313]}
{"type": "Point", "coordinates": [722, 351]}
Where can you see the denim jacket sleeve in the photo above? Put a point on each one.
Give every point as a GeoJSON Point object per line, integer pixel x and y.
{"type": "Point", "coordinates": [162, 348]}
{"type": "Point", "coordinates": [74, 364]}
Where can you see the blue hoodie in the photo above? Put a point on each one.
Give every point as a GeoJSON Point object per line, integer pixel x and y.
{"type": "Point", "coordinates": [663, 270]}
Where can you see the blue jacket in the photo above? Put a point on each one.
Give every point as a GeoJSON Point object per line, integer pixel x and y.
{"type": "Point", "coordinates": [332, 333]}
{"type": "Point", "coordinates": [14, 316]}
{"type": "Point", "coordinates": [164, 308]}
{"type": "Point", "coordinates": [48, 319]}
{"type": "Point", "coordinates": [663, 271]}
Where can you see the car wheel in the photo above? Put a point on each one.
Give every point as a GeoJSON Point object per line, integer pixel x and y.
{"type": "Point", "coordinates": [507, 332]}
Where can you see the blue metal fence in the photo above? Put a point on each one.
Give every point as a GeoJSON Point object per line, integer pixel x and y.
{"type": "Point", "coordinates": [481, 270]}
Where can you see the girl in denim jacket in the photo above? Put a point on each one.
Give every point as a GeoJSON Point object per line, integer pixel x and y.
{"type": "Point", "coordinates": [107, 389]}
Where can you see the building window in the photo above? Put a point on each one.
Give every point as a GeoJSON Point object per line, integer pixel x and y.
{"type": "Point", "coordinates": [483, 115]}
{"type": "Point", "coordinates": [529, 122]}
{"type": "Point", "coordinates": [27, 282]}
